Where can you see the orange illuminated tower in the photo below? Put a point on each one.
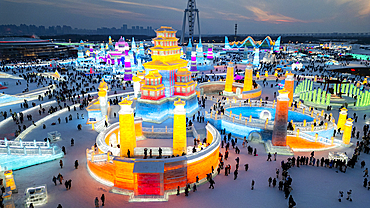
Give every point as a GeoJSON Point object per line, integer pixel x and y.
{"type": "Point", "coordinates": [281, 118]}
{"type": "Point", "coordinates": [229, 78]}
{"type": "Point", "coordinates": [289, 86]}
{"type": "Point", "coordinates": [126, 128]}
{"type": "Point", "coordinates": [248, 78]}
{"type": "Point", "coordinates": [179, 128]}
{"type": "Point", "coordinates": [342, 118]}
{"type": "Point", "coordinates": [347, 131]}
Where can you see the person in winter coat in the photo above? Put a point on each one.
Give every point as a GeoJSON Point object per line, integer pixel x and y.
{"type": "Point", "coordinates": [211, 183]}
{"type": "Point", "coordinates": [252, 185]}
{"type": "Point", "coordinates": [366, 171]}
{"type": "Point", "coordinates": [291, 202]}
{"type": "Point", "coordinates": [349, 193]}
{"type": "Point", "coordinates": [365, 182]}
{"type": "Point", "coordinates": [340, 196]}
{"type": "Point", "coordinates": [60, 178]}
{"type": "Point", "coordinates": [274, 182]}
{"type": "Point", "coordinates": [186, 191]}
{"type": "Point", "coordinates": [102, 198]}
{"type": "Point", "coordinates": [55, 180]}
{"type": "Point", "coordinates": [270, 180]}
{"type": "Point", "coordinates": [76, 164]}
{"type": "Point", "coordinates": [61, 163]}
{"type": "Point", "coordinates": [96, 202]}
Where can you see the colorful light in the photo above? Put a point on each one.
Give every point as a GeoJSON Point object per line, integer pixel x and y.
{"type": "Point", "coordinates": [281, 117]}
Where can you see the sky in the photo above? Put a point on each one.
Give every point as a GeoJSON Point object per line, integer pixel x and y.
{"type": "Point", "coordinates": [216, 16]}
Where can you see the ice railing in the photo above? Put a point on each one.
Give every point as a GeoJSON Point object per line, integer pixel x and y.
{"type": "Point", "coordinates": [260, 123]}
{"type": "Point", "coordinates": [92, 155]}
{"type": "Point", "coordinates": [163, 130]}
{"type": "Point", "coordinates": [101, 144]}
{"type": "Point", "coordinates": [235, 84]}
{"type": "Point", "coordinates": [28, 148]}
{"type": "Point", "coordinates": [317, 138]}
{"type": "Point", "coordinates": [100, 140]}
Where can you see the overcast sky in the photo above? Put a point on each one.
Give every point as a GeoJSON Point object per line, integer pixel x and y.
{"type": "Point", "coordinates": [216, 16]}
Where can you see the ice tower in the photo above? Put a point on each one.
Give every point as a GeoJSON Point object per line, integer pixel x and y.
{"type": "Point", "coordinates": [193, 62]}
{"type": "Point", "coordinates": [277, 44]}
{"type": "Point", "coordinates": [281, 118]}
{"type": "Point", "coordinates": [166, 57]}
{"type": "Point", "coordinates": [189, 49]}
{"type": "Point", "coordinates": [256, 58]}
{"type": "Point", "coordinates": [179, 128]}
{"type": "Point", "coordinates": [210, 52]}
{"type": "Point", "coordinates": [200, 56]}
{"type": "Point", "coordinates": [227, 45]}
{"type": "Point", "coordinates": [167, 79]}
{"type": "Point", "coordinates": [126, 128]}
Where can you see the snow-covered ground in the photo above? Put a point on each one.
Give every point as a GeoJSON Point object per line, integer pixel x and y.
{"type": "Point", "coordinates": [312, 186]}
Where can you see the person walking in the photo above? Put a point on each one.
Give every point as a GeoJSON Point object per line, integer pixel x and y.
{"type": "Point", "coordinates": [60, 178]}
{"type": "Point", "coordinates": [349, 193]}
{"type": "Point", "coordinates": [186, 190]}
{"type": "Point", "coordinates": [235, 174]}
{"type": "Point", "coordinates": [96, 202]}
{"type": "Point", "coordinates": [274, 182]}
{"type": "Point", "coordinates": [291, 202]}
{"type": "Point", "coordinates": [69, 184]}
{"type": "Point", "coordinates": [365, 182]}
{"type": "Point", "coordinates": [61, 163]}
{"type": "Point", "coordinates": [340, 196]}
{"type": "Point", "coordinates": [366, 171]}
{"type": "Point", "coordinates": [269, 157]}
{"type": "Point", "coordinates": [252, 185]}
{"type": "Point", "coordinates": [76, 164]}
{"type": "Point", "coordinates": [102, 198]}
{"type": "Point", "coordinates": [211, 183]}
{"type": "Point", "coordinates": [55, 180]}
{"type": "Point", "coordinates": [270, 180]}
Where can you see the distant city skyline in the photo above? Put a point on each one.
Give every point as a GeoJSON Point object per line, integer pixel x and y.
{"type": "Point", "coordinates": [24, 30]}
{"type": "Point", "coordinates": [216, 17]}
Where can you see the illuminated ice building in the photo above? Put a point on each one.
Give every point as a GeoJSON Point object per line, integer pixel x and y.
{"type": "Point", "coordinates": [200, 55]}
{"type": "Point", "coordinates": [119, 57]}
{"type": "Point", "coordinates": [189, 49]}
{"type": "Point", "coordinates": [167, 79]}
{"type": "Point", "coordinates": [99, 109]}
{"type": "Point", "coordinates": [249, 42]}
{"type": "Point", "coordinates": [121, 163]}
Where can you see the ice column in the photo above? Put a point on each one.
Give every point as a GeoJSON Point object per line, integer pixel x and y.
{"type": "Point", "coordinates": [281, 118]}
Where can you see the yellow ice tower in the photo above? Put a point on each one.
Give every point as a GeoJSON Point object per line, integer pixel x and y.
{"type": "Point", "coordinates": [248, 78]}
{"type": "Point", "coordinates": [229, 78]}
{"type": "Point", "coordinates": [126, 128]}
{"type": "Point", "coordinates": [103, 98]}
{"type": "Point", "coordinates": [342, 118]}
{"type": "Point", "coordinates": [346, 138]}
{"type": "Point", "coordinates": [179, 128]}
{"type": "Point", "coordinates": [289, 86]}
